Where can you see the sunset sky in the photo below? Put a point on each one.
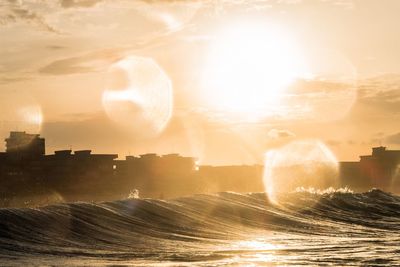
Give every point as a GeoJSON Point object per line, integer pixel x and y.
{"type": "Point", "coordinates": [229, 79]}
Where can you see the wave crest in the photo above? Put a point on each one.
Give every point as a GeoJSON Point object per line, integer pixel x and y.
{"type": "Point", "coordinates": [149, 223]}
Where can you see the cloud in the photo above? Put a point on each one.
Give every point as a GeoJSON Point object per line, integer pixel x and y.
{"type": "Point", "coordinates": [312, 87]}
{"type": "Point", "coordinates": [79, 3]}
{"type": "Point", "coordinates": [351, 142]}
{"type": "Point", "coordinates": [16, 11]}
{"type": "Point", "coordinates": [90, 62]}
{"type": "Point", "coordinates": [381, 93]}
{"type": "Point", "coordinates": [66, 66]}
{"type": "Point", "coordinates": [393, 139]}
{"type": "Point", "coordinates": [55, 47]}
{"type": "Point", "coordinates": [277, 134]}
{"type": "Point", "coordinates": [33, 17]}
{"type": "Point", "coordinates": [6, 79]}
{"type": "Point", "coordinates": [333, 143]}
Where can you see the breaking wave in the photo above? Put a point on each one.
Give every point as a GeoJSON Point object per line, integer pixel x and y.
{"type": "Point", "coordinates": [141, 228]}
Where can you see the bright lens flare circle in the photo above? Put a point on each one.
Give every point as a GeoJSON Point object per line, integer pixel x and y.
{"type": "Point", "coordinates": [19, 110]}
{"type": "Point", "coordinates": [303, 164]}
{"type": "Point", "coordinates": [249, 65]}
{"type": "Point", "coordinates": [138, 96]}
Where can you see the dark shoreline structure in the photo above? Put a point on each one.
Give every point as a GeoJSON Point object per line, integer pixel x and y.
{"type": "Point", "coordinates": [29, 177]}
{"type": "Point", "coordinates": [379, 170]}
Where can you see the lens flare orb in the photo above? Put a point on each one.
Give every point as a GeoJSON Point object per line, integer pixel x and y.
{"type": "Point", "coordinates": [138, 96]}
{"type": "Point", "coordinates": [20, 112]}
{"type": "Point", "coordinates": [299, 164]}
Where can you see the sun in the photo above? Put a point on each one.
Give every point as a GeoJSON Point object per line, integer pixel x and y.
{"type": "Point", "coordinates": [249, 65]}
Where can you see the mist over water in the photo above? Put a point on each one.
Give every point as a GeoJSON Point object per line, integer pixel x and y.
{"type": "Point", "coordinates": [307, 228]}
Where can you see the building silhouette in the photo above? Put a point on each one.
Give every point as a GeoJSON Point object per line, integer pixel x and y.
{"type": "Point", "coordinates": [30, 177]}
{"type": "Point", "coordinates": [26, 172]}
{"type": "Point", "coordinates": [381, 170]}
{"type": "Point", "coordinates": [25, 146]}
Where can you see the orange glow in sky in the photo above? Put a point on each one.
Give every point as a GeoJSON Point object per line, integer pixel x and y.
{"type": "Point", "coordinates": [224, 81]}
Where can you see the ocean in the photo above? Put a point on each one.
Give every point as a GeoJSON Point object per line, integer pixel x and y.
{"type": "Point", "coordinates": [226, 229]}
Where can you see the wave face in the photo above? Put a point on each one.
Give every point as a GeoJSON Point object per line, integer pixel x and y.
{"type": "Point", "coordinates": [222, 229]}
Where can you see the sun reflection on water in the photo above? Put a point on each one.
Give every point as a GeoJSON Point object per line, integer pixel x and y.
{"type": "Point", "coordinates": [257, 245]}
{"type": "Point", "coordinates": [254, 252]}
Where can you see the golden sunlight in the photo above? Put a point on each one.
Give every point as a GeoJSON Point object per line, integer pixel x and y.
{"type": "Point", "coordinates": [249, 65]}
